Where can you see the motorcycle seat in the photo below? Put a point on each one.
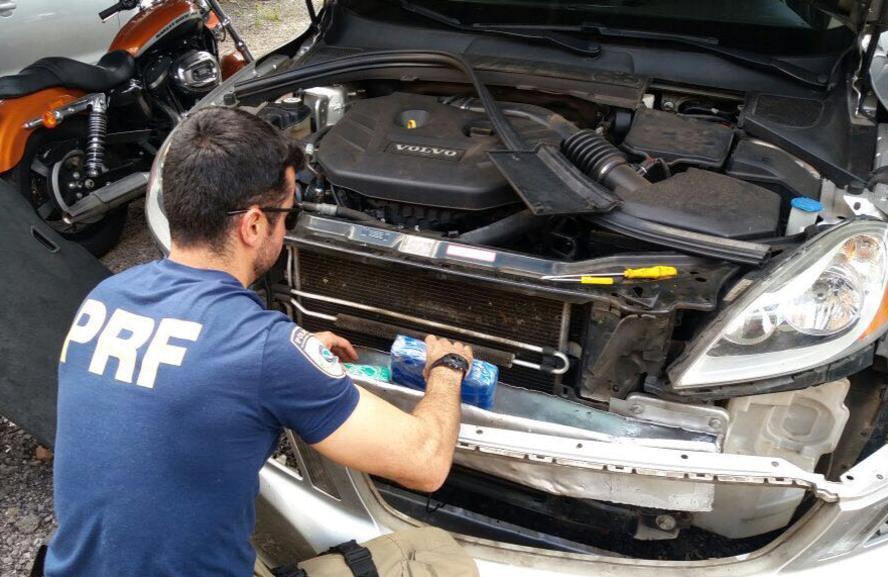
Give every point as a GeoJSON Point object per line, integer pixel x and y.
{"type": "Point", "coordinates": [55, 71]}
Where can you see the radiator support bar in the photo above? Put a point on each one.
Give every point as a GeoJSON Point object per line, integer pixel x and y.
{"type": "Point", "coordinates": [545, 351]}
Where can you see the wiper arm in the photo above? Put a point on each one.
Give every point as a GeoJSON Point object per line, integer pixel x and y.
{"type": "Point", "coordinates": [712, 45]}
{"type": "Point", "coordinates": [567, 37]}
{"type": "Point", "coordinates": [707, 43]}
{"type": "Point", "coordinates": [587, 27]}
{"type": "Point", "coordinates": [553, 35]}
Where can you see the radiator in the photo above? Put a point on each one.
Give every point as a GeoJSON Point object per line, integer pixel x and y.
{"type": "Point", "coordinates": [432, 295]}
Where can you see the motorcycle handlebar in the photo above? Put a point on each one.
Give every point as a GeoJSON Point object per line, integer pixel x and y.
{"type": "Point", "coordinates": [109, 12]}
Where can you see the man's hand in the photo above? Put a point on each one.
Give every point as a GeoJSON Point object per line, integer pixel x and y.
{"type": "Point", "coordinates": [415, 449]}
{"type": "Point", "coordinates": [437, 348]}
{"type": "Point", "coordinates": [338, 346]}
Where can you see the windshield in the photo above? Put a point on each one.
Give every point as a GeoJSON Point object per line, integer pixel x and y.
{"type": "Point", "coordinates": [772, 26]}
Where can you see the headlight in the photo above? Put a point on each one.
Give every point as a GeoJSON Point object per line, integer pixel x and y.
{"type": "Point", "coordinates": [823, 303]}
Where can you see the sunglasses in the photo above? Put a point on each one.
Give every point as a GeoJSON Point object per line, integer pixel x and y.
{"type": "Point", "coordinates": [289, 220]}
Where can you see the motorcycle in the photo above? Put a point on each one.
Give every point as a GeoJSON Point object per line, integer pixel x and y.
{"type": "Point", "coordinates": [77, 140]}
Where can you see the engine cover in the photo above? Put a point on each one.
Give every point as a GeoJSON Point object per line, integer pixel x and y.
{"type": "Point", "coordinates": [413, 149]}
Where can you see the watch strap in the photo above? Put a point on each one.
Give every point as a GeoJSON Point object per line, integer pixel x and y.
{"type": "Point", "coordinates": [452, 361]}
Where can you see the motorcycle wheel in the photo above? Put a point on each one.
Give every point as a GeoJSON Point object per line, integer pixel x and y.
{"type": "Point", "coordinates": [48, 167]}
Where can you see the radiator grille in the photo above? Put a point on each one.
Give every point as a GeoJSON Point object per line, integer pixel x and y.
{"type": "Point", "coordinates": [433, 296]}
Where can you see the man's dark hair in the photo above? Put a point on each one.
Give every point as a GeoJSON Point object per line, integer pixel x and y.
{"type": "Point", "coordinates": [222, 159]}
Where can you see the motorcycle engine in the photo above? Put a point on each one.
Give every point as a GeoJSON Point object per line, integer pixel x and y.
{"type": "Point", "coordinates": [196, 72]}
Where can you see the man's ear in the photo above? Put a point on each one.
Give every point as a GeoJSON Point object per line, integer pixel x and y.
{"type": "Point", "coordinates": [252, 227]}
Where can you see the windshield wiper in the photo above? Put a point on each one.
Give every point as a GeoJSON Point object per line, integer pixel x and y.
{"type": "Point", "coordinates": [571, 38]}
{"type": "Point", "coordinates": [707, 43]}
{"type": "Point", "coordinates": [553, 35]}
{"type": "Point", "coordinates": [711, 44]}
{"type": "Point", "coordinates": [587, 27]}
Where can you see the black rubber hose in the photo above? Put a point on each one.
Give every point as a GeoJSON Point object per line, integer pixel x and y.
{"type": "Point", "coordinates": [311, 74]}
{"type": "Point", "coordinates": [601, 160]}
{"type": "Point", "coordinates": [878, 176]}
{"type": "Point", "coordinates": [554, 121]}
{"type": "Point", "coordinates": [587, 149]}
{"type": "Point", "coordinates": [605, 163]}
{"type": "Point", "coordinates": [503, 229]}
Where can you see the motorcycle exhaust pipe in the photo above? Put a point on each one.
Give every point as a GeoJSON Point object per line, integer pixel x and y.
{"type": "Point", "coordinates": [107, 198]}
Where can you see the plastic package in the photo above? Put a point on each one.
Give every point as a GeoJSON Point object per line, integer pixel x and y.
{"type": "Point", "coordinates": [377, 372]}
{"type": "Point", "coordinates": [408, 359]}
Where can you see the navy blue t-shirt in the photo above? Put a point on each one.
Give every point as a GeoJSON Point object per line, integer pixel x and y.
{"type": "Point", "coordinates": [174, 384]}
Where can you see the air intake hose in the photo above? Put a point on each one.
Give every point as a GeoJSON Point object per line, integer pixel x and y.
{"type": "Point", "coordinates": [601, 160]}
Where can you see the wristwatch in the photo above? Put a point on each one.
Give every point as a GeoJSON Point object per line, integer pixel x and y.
{"type": "Point", "coordinates": [452, 361]}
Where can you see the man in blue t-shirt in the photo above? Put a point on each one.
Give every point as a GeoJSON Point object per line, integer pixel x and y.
{"type": "Point", "coordinates": [175, 382]}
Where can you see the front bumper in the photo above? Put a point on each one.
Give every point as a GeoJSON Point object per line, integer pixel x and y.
{"type": "Point", "coordinates": [307, 508]}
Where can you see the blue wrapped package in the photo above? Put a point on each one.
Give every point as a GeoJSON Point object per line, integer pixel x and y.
{"type": "Point", "coordinates": [408, 359]}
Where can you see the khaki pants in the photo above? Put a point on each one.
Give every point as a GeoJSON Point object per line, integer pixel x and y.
{"type": "Point", "coordinates": [419, 552]}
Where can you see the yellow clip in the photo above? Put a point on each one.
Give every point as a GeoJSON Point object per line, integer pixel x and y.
{"type": "Point", "coordinates": [596, 280]}
{"type": "Point", "coordinates": [651, 272]}
{"type": "Point", "coordinates": [411, 124]}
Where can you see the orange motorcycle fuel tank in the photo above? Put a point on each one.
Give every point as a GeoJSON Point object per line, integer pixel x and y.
{"type": "Point", "coordinates": [147, 27]}
{"type": "Point", "coordinates": [231, 63]}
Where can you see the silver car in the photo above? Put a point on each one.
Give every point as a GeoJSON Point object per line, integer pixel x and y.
{"type": "Point", "coordinates": [666, 223]}
{"type": "Point", "coordinates": [34, 29]}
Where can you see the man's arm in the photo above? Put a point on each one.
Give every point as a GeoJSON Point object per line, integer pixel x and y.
{"type": "Point", "coordinates": [414, 449]}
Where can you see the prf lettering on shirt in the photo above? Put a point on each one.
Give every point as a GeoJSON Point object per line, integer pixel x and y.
{"type": "Point", "coordinates": [122, 337]}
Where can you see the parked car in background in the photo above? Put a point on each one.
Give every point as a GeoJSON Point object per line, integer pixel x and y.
{"type": "Point", "coordinates": [32, 29]}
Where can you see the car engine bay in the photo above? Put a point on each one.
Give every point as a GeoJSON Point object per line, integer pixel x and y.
{"type": "Point", "coordinates": [419, 217]}
{"type": "Point", "coordinates": [434, 157]}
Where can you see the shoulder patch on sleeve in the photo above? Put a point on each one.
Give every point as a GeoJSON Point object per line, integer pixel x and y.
{"type": "Point", "coordinates": [315, 351]}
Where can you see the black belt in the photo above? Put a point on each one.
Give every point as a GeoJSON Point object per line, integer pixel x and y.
{"type": "Point", "coordinates": [288, 571]}
{"type": "Point", "coordinates": [357, 558]}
